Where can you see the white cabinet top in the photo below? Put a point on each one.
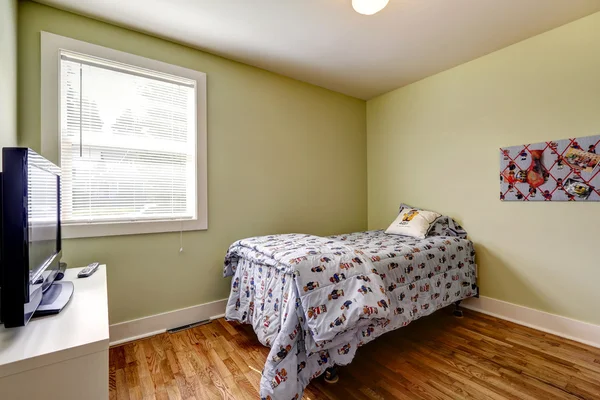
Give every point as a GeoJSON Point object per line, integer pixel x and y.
{"type": "Point", "coordinates": [81, 328]}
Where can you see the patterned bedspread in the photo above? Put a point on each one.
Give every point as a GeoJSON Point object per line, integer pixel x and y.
{"type": "Point", "coordinates": [315, 300]}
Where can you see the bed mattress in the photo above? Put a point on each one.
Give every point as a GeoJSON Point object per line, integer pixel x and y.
{"type": "Point", "coordinates": [315, 300]}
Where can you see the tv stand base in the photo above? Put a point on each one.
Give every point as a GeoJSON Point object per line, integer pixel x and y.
{"type": "Point", "coordinates": [55, 298]}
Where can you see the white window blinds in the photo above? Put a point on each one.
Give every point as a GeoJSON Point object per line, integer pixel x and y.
{"type": "Point", "coordinates": [128, 142]}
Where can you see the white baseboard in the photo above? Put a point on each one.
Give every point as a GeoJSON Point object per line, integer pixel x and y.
{"type": "Point", "coordinates": [159, 323]}
{"type": "Point", "coordinates": [568, 328]}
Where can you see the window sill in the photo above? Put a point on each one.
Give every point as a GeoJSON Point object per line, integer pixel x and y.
{"type": "Point", "coordinates": [130, 228]}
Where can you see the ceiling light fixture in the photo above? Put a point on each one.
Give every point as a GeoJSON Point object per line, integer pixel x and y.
{"type": "Point", "coordinates": [369, 7]}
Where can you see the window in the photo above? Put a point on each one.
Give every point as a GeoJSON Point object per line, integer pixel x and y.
{"type": "Point", "coordinates": [129, 134]}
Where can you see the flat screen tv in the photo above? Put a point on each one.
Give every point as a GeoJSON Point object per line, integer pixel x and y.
{"type": "Point", "coordinates": [30, 244]}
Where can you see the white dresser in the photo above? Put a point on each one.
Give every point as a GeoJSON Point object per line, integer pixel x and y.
{"type": "Point", "coordinates": [63, 356]}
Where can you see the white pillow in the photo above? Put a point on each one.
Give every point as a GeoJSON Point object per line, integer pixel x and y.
{"type": "Point", "coordinates": [413, 222]}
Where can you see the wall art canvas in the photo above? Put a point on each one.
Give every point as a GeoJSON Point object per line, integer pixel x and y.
{"type": "Point", "coordinates": [560, 170]}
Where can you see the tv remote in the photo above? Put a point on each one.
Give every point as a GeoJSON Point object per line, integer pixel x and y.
{"type": "Point", "coordinates": [89, 270]}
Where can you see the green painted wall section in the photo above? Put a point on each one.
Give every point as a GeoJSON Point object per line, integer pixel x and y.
{"type": "Point", "coordinates": [283, 156]}
{"type": "Point", "coordinates": [8, 73]}
{"type": "Point", "coordinates": [435, 144]}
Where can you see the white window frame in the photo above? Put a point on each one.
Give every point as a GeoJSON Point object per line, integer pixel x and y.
{"type": "Point", "coordinates": [51, 45]}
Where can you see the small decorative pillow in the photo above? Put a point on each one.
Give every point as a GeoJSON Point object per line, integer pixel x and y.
{"type": "Point", "coordinates": [413, 222]}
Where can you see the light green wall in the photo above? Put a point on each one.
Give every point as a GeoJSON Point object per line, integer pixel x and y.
{"type": "Point", "coordinates": [435, 144]}
{"type": "Point", "coordinates": [286, 156]}
{"type": "Point", "coordinates": [8, 74]}
{"type": "Point", "coordinates": [283, 156]}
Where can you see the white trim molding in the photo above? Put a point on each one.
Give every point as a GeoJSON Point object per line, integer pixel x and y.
{"type": "Point", "coordinates": [568, 328]}
{"type": "Point", "coordinates": [51, 46]}
{"type": "Point", "coordinates": [155, 324]}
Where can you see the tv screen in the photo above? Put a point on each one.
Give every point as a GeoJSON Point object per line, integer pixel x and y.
{"type": "Point", "coordinates": [30, 236]}
{"type": "Point", "coordinates": [42, 224]}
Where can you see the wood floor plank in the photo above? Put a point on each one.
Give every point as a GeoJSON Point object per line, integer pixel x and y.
{"type": "Point", "coordinates": [229, 327]}
{"type": "Point", "coordinates": [201, 365]}
{"type": "Point", "coordinates": [438, 357]}
{"type": "Point", "coordinates": [121, 391]}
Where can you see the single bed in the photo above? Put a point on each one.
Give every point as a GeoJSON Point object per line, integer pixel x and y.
{"type": "Point", "coordinates": [315, 300]}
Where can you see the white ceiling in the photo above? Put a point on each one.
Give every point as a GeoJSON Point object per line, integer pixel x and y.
{"type": "Point", "coordinates": [326, 43]}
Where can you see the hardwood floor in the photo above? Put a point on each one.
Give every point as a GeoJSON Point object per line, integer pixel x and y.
{"type": "Point", "coordinates": [438, 357]}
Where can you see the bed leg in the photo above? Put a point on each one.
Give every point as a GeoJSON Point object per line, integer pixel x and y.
{"type": "Point", "coordinates": [457, 310]}
{"type": "Point", "coordinates": [331, 375]}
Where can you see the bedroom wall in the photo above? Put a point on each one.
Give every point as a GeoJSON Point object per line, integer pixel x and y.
{"type": "Point", "coordinates": [435, 144]}
{"type": "Point", "coordinates": [8, 74]}
{"type": "Point", "coordinates": [283, 156]}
